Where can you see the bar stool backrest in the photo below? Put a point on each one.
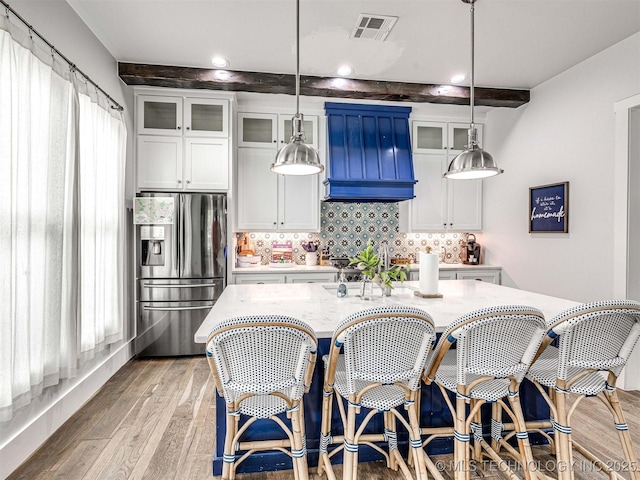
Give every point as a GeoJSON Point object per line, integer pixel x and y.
{"type": "Point", "coordinates": [385, 344]}
{"type": "Point", "coordinates": [497, 342]}
{"type": "Point", "coordinates": [261, 355]}
{"type": "Point", "coordinates": [597, 335]}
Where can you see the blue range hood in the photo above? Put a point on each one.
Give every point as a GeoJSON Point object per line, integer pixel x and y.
{"type": "Point", "coordinates": [369, 153]}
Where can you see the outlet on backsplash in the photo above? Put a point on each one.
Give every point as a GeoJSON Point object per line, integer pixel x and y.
{"type": "Point", "coordinates": [345, 229]}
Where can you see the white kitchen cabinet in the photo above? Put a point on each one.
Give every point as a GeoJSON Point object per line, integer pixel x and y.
{"type": "Point", "coordinates": [491, 276]}
{"type": "Point", "coordinates": [178, 115]}
{"type": "Point", "coordinates": [182, 143]}
{"type": "Point", "coordinates": [440, 204]}
{"type": "Point", "coordinates": [272, 131]}
{"type": "Point", "coordinates": [206, 164]}
{"type": "Point", "coordinates": [268, 201]}
{"type": "Point", "coordinates": [259, 278]}
{"type": "Point", "coordinates": [306, 277]}
{"type": "Point", "coordinates": [439, 137]}
{"type": "Point", "coordinates": [159, 162]}
{"type": "Point", "coordinates": [444, 275]}
{"type": "Point", "coordinates": [297, 277]}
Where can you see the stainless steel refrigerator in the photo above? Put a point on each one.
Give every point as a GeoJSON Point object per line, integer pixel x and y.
{"type": "Point", "coordinates": [181, 242]}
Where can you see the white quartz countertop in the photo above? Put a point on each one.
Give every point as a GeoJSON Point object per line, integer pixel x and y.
{"type": "Point", "coordinates": [329, 268]}
{"type": "Point", "coordinates": [317, 304]}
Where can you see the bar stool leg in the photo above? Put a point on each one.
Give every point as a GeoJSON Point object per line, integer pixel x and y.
{"type": "Point", "coordinates": [496, 421]}
{"type": "Point", "coordinates": [563, 437]}
{"type": "Point", "coordinates": [623, 434]}
{"type": "Point", "coordinates": [523, 438]}
{"type": "Point", "coordinates": [228, 464]}
{"type": "Point", "coordinates": [301, 471]}
{"type": "Point", "coordinates": [390, 429]}
{"type": "Point", "coordinates": [416, 443]}
{"type": "Point", "coordinates": [325, 433]}
{"type": "Point", "coordinates": [461, 441]}
{"type": "Point", "coordinates": [476, 429]}
{"type": "Point", "coordinates": [350, 460]}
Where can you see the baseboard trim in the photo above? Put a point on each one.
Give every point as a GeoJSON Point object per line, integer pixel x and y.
{"type": "Point", "coordinates": [20, 446]}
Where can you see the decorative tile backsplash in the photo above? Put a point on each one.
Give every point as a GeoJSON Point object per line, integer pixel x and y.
{"type": "Point", "coordinates": [347, 227]}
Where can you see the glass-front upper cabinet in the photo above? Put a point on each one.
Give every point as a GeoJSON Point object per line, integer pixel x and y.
{"type": "Point", "coordinates": [206, 117]}
{"type": "Point", "coordinates": [197, 117]}
{"type": "Point", "coordinates": [309, 126]}
{"type": "Point", "coordinates": [429, 137]}
{"type": "Point", "coordinates": [159, 115]}
{"type": "Point", "coordinates": [258, 130]}
{"type": "Point", "coordinates": [441, 137]}
{"type": "Point", "coordinates": [270, 130]}
{"type": "Point", "coordinates": [459, 136]}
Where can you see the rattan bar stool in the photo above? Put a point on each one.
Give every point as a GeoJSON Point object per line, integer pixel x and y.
{"type": "Point", "coordinates": [494, 348]}
{"type": "Point", "coordinates": [384, 353]}
{"type": "Point", "coordinates": [262, 365]}
{"type": "Point", "coordinates": [594, 344]}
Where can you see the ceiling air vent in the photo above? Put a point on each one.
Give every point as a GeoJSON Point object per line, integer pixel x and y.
{"type": "Point", "coordinates": [375, 27]}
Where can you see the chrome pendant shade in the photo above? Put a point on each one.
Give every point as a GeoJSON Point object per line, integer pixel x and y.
{"type": "Point", "coordinates": [297, 158]}
{"type": "Point", "coordinates": [472, 162]}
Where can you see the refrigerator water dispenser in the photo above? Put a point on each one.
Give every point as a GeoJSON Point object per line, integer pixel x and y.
{"type": "Point", "coordinates": [152, 245]}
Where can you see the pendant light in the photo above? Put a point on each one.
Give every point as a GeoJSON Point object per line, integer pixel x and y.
{"type": "Point", "coordinates": [473, 162]}
{"type": "Point", "coordinates": [297, 158]}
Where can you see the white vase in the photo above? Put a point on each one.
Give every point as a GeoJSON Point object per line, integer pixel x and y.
{"type": "Point", "coordinates": [311, 258]}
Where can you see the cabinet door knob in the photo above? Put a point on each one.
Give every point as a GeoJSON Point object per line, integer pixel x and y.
{"type": "Point", "coordinates": [451, 224]}
{"type": "Point", "coordinates": [275, 141]}
{"type": "Point", "coordinates": [178, 127]}
{"type": "Point", "coordinates": [179, 181]}
{"type": "Point", "coordinates": [281, 223]}
{"type": "Point", "coordinates": [188, 128]}
{"type": "Point", "coordinates": [275, 223]}
{"type": "Point", "coordinates": [188, 182]}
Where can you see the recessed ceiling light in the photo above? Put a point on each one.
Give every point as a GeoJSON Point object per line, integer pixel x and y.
{"type": "Point", "coordinates": [345, 70]}
{"type": "Point", "coordinates": [220, 62]}
{"type": "Point", "coordinates": [458, 78]}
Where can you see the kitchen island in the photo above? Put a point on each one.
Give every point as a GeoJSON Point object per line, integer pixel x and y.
{"type": "Point", "coordinates": [319, 306]}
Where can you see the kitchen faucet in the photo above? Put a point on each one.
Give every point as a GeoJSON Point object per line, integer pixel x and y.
{"type": "Point", "coordinates": [383, 252]}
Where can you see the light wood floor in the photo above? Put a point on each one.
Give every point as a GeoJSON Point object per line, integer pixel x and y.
{"type": "Point", "coordinates": [155, 420]}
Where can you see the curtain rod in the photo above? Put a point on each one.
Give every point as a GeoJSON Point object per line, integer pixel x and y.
{"type": "Point", "coordinates": [115, 105]}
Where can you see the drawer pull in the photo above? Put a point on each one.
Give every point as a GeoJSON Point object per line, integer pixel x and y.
{"type": "Point", "coordinates": [206, 307]}
{"type": "Point", "coordinates": [169, 285]}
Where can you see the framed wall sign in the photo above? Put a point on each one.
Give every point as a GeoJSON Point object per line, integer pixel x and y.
{"type": "Point", "coordinates": [549, 208]}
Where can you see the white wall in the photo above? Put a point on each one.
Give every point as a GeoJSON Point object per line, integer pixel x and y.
{"type": "Point", "coordinates": [59, 24]}
{"type": "Point", "coordinates": [565, 133]}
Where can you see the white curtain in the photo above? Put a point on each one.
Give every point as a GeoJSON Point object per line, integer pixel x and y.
{"type": "Point", "coordinates": [61, 221]}
{"type": "Point", "coordinates": [102, 140]}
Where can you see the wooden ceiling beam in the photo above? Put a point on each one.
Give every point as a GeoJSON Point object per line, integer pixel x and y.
{"type": "Point", "coordinates": [237, 81]}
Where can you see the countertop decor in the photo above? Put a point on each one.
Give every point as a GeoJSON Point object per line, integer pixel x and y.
{"type": "Point", "coordinates": [373, 267]}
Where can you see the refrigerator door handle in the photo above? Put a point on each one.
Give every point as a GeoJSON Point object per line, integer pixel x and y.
{"type": "Point", "coordinates": [185, 237]}
{"type": "Point", "coordinates": [167, 309]}
{"type": "Point", "coordinates": [173, 285]}
{"type": "Point", "coordinates": [176, 237]}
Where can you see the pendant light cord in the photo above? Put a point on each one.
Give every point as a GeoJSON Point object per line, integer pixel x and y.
{"type": "Point", "coordinates": [297, 58]}
{"type": "Point", "coordinates": [472, 61]}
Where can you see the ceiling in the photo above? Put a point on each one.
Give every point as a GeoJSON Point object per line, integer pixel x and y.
{"type": "Point", "coordinates": [519, 43]}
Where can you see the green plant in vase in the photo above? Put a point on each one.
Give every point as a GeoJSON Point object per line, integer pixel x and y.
{"type": "Point", "coordinates": [372, 267]}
